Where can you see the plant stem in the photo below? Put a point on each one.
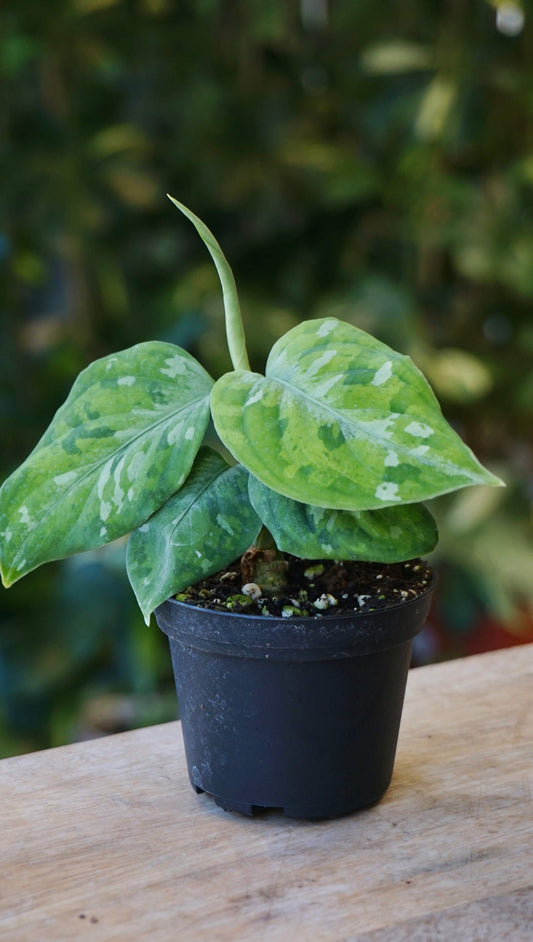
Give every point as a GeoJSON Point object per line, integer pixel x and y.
{"type": "Point", "coordinates": [234, 326]}
{"type": "Point", "coordinates": [265, 540]}
{"type": "Point", "coordinates": [265, 565]}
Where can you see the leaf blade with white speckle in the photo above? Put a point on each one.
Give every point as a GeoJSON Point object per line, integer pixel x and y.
{"type": "Point", "coordinates": [342, 421]}
{"type": "Point", "coordinates": [122, 442]}
{"type": "Point", "coordinates": [198, 531]}
{"type": "Point", "coordinates": [387, 535]}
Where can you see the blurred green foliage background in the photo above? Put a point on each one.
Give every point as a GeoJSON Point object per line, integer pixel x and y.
{"type": "Point", "coordinates": [370, 161]}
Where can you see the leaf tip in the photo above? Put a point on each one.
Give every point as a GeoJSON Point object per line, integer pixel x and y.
{"type": "Point", "coordinates": [177, 203]}
{"type": "Point", "coordinates": [492, 480]}
{"type": "Point", "coordinates": [6, 579]}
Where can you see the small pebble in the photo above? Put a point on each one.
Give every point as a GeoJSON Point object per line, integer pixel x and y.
{"type": "Point", "coordinates": [313, 571]}
{"type": "Point", "coordinates": [252, 590]}
{"type": "Point", "coordinates": [229, 576]}
{"type": "Point", "coordinates": [289, 610]}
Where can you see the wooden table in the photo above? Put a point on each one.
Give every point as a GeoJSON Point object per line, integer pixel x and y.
{"type": "Point", "coordinates": [105, 840]}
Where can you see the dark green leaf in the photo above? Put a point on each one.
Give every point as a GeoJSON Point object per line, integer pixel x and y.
{"type": "Point", "coordinates": [388, 535]}
{"type": "Point", "coordinates": [199, 531]}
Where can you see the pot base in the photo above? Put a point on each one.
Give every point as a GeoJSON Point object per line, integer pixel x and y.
{"type": "Point", "coordinates": [298, 812]}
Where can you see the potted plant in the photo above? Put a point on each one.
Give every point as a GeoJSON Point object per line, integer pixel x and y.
{"type": "Point", "coordinates": [290, 694]}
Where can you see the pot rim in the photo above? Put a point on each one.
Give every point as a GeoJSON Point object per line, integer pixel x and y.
{"type": "Point", "coordinates": [309, 619]}
{"type": "Point", "coordinates": [304, 638]}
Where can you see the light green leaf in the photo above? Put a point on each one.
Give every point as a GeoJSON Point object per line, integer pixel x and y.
{"type": "Point", "coordinates": [234, 325]}
{"type": "Point", "coordinates": [342, 421]}
{"type": "Point", "coordinates": [199, 531]}
{"type": "Point", "coordinates": [388, 536]}
{"type": "Point", "coordinates": [121, 444]}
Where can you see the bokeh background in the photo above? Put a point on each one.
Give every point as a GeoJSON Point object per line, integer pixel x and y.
{"type": "Point", "coordinates": [373, 161]}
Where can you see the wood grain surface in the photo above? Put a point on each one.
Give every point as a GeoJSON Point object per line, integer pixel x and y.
{"type": "Point", "coordinates": [105, 840]}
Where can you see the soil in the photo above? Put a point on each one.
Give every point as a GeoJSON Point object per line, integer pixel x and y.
{"type": "Point", "coordinates": [315, 588]}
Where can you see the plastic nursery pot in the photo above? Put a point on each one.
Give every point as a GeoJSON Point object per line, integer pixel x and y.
{"type": "Point", "coordinates": [301, 715]}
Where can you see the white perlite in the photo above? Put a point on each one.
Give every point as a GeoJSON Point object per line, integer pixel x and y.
{"type": "Point", "coordinates": [252, 590]}
{"type": "Point", "coordinates": [325, 601]}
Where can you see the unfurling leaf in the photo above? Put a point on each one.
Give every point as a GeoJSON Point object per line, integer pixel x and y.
{"type": "Point", "coordinates": [199, 531]}
{"type": "Point", "coordinates": [234, 326]}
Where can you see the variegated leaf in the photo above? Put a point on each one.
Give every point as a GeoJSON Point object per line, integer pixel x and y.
{"type": "Point", "coordinates": [342, 421]}
{"type": "Point", "coordinates": [199, 531]}
{"type": "Point", "coordinates": [121, 444]}
{"type": "Point", "coordinates": [389, 535]}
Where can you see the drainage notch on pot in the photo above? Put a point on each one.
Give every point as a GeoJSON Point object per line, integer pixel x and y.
{"type": "Point", "coordinates": [301, 715]}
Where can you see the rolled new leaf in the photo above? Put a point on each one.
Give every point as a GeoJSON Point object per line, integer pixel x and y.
{"type": "Point", "coordinates": [122, 443]}
{"type": "Point", "coordinates": [342, 421]}
{"type": "Point", "coordinates": [199, 531]}
{"type": "Point", "coordinates": [234, 325]}
{"type": "Point", "coordinates": [389, 535]}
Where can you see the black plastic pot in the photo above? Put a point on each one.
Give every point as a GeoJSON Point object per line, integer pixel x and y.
{"type": "Point", "coordinates": [296, 714]}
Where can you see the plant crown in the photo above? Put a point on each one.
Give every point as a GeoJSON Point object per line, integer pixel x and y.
{"type": "Point", "coordinates": [332, 451]}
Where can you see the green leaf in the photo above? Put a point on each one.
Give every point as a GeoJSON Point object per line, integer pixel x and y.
{"type": "Point", "coordinates": [199, 531]}
{"type": "Point", "coordinates": [234, 325]}
{"type": "Point", "coordinates": [388, 536]}
{"type": "Point", "coordinates": [121, 444]}
{"type": "Point", "coordinates": [342, 421]}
